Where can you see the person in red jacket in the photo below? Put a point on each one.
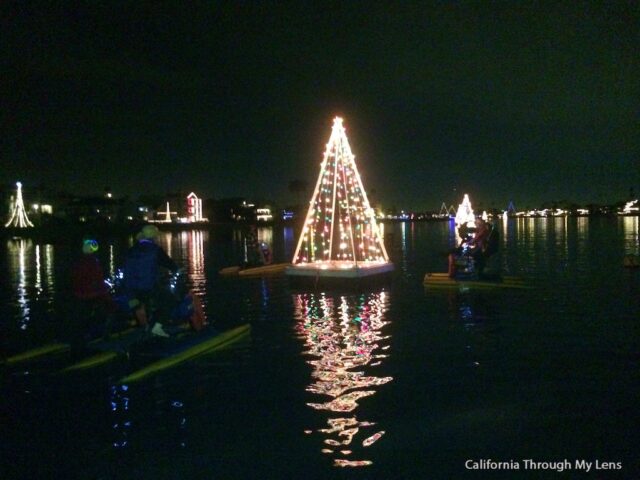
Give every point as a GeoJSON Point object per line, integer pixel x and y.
{"type": "Point", "coordinates": [95, 304]}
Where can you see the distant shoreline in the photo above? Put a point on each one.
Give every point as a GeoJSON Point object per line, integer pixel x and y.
{"type": "Point", "coordinates": [62, 230]}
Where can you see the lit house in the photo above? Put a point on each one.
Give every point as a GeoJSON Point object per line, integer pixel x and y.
{"type": "Point", "coordinates": [194, 209]}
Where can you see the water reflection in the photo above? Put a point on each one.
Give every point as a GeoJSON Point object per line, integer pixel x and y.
{"type": "Point", "coordinates": [505, 229]}
{"type": "Point", "coordinates": [17, 263]}
{"type": "Point", "coordinates": [31, 277]}
{"type": "Point", "coordinates": [187, 249]}
{"type": "Point", "coordinates": [194, 240]}
{"type": "Point", "coordinates": [165, 240]}
{"type": "Point", "coordinates": [582, 239]}
{"type": "Point", "coordinates": [344, 333]}
{"type": "Point", "coordinates": [476, 315]}
{"type": "Point", "coordinates": [121, 416]}
{"type": "Point", "coordinates": [631, 239]}
{"type": "Point", "coordinates": [38, 284]}
{"type": "Point", "coordinates": [403, 246]}
{"type": "Point", "coordinates": [127, 433]}
{"type": "Point", "coordinates": [48, 270]}
{"type": "Point", "coordinates": [112, 262]}
{"type": "Point", "coordinates": [561, 243]}
{"type": "Point", "coordinates": [265, 234]}
{"type": "Point", "coordinates": [289, 243]}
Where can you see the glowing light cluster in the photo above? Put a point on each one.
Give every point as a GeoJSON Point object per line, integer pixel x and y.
{"type": "Point", "coordinates": [447, 211]}
{"type": "Point", "coordinates": [340, 225]}
{"type": "Point", "coordinates": [631, 208]}
{"type": "Point", "coordinates": [167, 215]}
{"type": "Point", "coordinates": [18, 214]}
{"type": "Point", "coordinates": [194, 209]}
{"type": "Point", "coordinates": [465, 215]}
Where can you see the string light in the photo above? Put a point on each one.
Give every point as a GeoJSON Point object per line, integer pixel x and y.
{"type": "Point", "coordinates": [465, 215]}
{"type": "Point", "coordinates": [19, 215]}
{"type": "Point", "coordinates": [340, 224]}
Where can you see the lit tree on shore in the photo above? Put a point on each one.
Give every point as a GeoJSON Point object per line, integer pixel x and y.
{"type": "Point", "coordinates": [18, 214]}
{"type": "Point", "coordinates": [340, 226]}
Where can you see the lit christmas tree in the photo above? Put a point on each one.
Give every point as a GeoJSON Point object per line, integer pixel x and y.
{"type": "Point", "coordinates": [340, 230]}
{"type": "Point", "coordinates": [19, 215]}
{"type": "Point", "coordinates": [465, 215]}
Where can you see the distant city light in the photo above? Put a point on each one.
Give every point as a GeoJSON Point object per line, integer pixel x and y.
{"type": "Point", "coordinates": [287, 215]}
{"type": "Point", "coordinates": [263, 215]}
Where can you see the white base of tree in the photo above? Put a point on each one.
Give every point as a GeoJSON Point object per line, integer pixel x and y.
{"type": "Point", "coordinates": [338, 269]}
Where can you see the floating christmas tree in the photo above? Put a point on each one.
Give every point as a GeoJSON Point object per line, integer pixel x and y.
{"type": "Point", "coordinates": [464, 215]}
{"type": "Point", "coordinates": [340, 232]}
{"type": "Point", "coordinates": [19, 217]}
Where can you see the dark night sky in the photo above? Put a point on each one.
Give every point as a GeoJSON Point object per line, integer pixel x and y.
{"type": "Point", "coordinates": [527, 101]}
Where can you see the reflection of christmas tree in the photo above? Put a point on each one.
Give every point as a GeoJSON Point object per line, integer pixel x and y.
{"type": "Point", "coordinates": [19, 215]}
{"type": "Point", "coordinates": [340, 227]}
{"type": "Point", "coordinates": [345, 338]}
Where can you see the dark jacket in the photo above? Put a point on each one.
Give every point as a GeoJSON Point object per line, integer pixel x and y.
{"type": "Point", "coordinates": [141, 266]}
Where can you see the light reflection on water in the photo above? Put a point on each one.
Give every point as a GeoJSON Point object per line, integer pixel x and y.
{"type": "Point", "coordinates": [631, 235]}
{"type": "Point", "coordinates": [122, 422]}
{"type": "Point", "coordinates": [17, 253]}
{"type": "Point", "coordinates": [112, 262]}
{"type": "Point", "coordinates": [31, 277]}
{"type": "Point", "coordinates": [187, 250]}
{"type": "Point", "coordinates": [289, 243]}
{"type": "Point", "coordinates": [195, 256]}
{"type": "Point", "coordinates": [127, 432]}
{"type": "Point", "coordinates": [345, 335]}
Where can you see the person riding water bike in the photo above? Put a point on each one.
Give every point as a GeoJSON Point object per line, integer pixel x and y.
{"type": "Point", "coordinates": [95, 306]}
{"type": "Point", "coordinates": [141, 279]}
{"type": "Point", "coordinates": [479, 248]}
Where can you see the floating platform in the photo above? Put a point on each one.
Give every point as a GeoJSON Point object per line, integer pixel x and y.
{"type": "Point", "coordinates": [264, 270]}
{"type": "Point", "coordinates": [339, 270]}
{"type": "Point", "coordinates": [339, 275]}
{"type": "Point", "coordinates": [442, 280]}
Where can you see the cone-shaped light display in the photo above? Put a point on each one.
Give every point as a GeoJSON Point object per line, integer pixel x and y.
{"type": "Point", "coordinates": [19, 217]}
{"type": "Point", "coordinates": [340, 228]}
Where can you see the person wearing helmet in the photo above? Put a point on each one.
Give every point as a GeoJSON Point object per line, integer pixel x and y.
{"type": "Point", "coordinates": [87, 277]}
{"type": "Point", "coordinates": [142, 274]}
{"type": "Point", "coordinates": [95, 305]}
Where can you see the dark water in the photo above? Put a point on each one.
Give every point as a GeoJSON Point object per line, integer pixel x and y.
{"type": "Point", "coordinates": [401, 381]}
